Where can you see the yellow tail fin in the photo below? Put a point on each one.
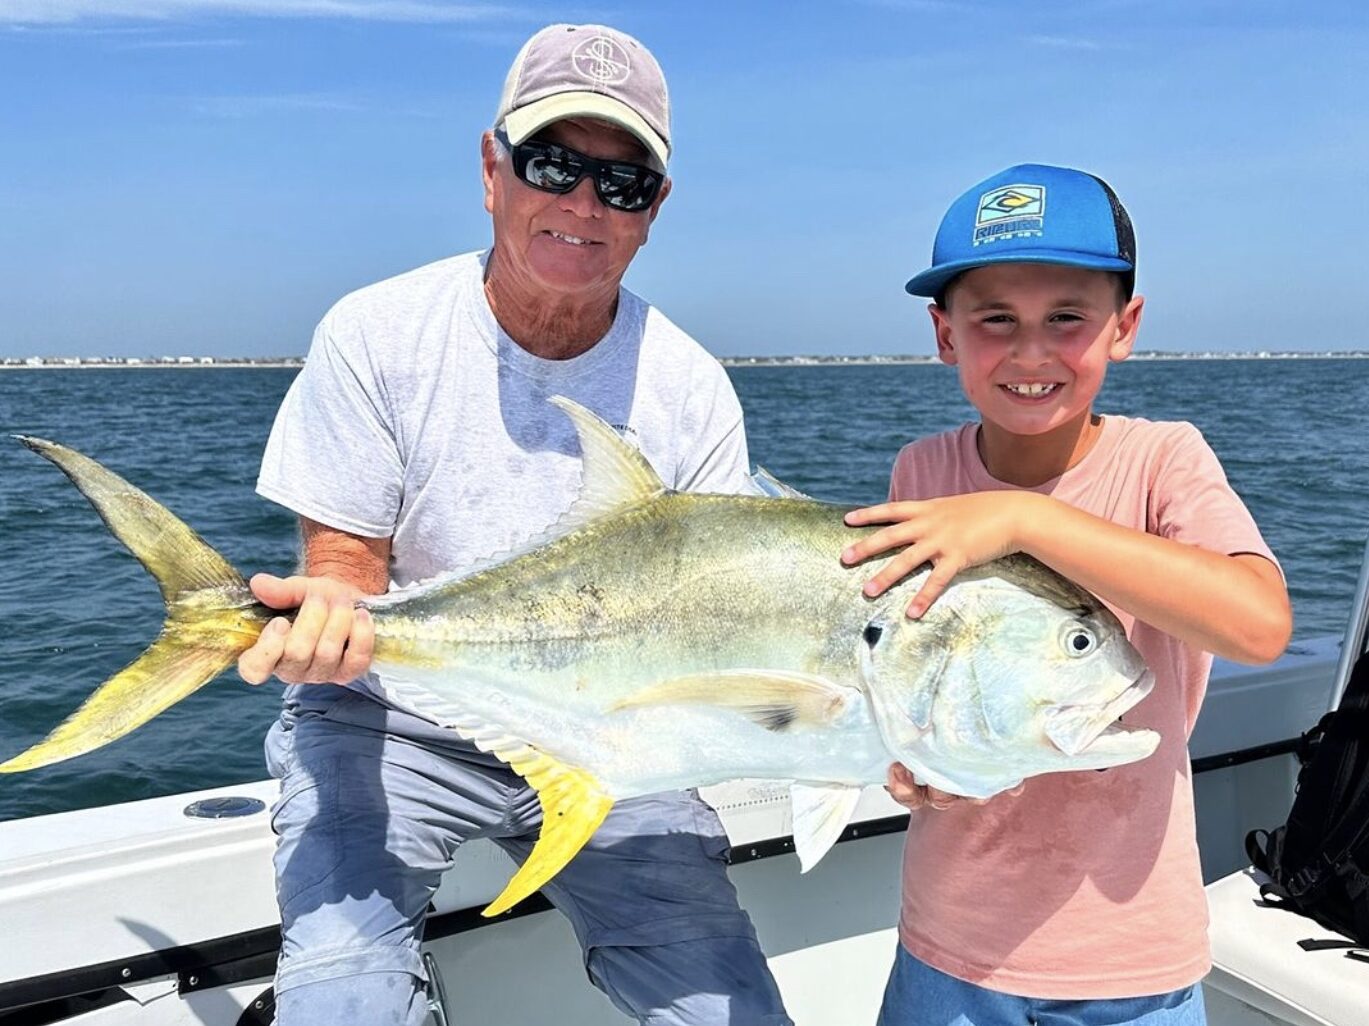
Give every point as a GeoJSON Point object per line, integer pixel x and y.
{"type": "Point", "coordinates": [211, 616]}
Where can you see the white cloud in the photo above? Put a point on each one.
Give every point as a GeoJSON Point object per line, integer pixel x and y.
{"type": "Point", "coordinates": [66, 12]}
{"type": "Point", "coordinates": [253, 106]}
{"type": "Point", "coordinates": [180, 44]}
{"type": "Point", "coordinates": [915, 6]}
{"type": "Point", "coordinates": [1066, 42]}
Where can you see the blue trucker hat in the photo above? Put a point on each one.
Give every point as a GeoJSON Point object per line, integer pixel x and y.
{"type": "Point", "coordinates": [1031, 213]}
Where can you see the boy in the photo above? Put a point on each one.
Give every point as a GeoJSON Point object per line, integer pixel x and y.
{"type": "Point", "coordinates": [1079, 901]}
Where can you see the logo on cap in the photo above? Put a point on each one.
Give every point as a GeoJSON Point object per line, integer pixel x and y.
{"type": "Point", "coordinates": [1010, 212]}
{"type": "Point", "coordinates": [602, 61]}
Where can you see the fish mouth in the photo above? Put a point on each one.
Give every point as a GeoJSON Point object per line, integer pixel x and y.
{"type": "Point", "coordinates": [1093, 729]}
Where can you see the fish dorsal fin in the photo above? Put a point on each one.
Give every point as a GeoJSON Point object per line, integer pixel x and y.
{"type": "Point", "coordinates": [774, 699]}
{"type": "Point", "coordinates": [768, 484]}
{"type": "Point", "coordinates": [615, 474]}
{"type": "Point", "coordinates": [821, 812]}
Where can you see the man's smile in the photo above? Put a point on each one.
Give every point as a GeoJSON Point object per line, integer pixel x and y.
{"type": "Point", "coordinates": [573, 240]}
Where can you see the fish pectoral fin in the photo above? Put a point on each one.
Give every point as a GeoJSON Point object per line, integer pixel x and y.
{"type": "Point", "coordinates": [774, 699]}
{"type": "Point", "coordinates": [573, 806]}
{"type": "Point", "coordinates": [821, 812]}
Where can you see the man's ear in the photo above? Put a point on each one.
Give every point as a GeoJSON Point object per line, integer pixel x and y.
{"type": "Point", "coordinates": [1128, 324]}
{"type": "Point", "coordinates": [941, 324]}
{"type": "Point", "coordinates": [489, 160]}
{"type": "Point", "coordinates": [656, 207]}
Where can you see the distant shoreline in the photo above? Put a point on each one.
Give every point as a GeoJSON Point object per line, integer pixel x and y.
{"type": "Point", "coordinates": [865, 361]}
{"type": "Point", "coordinates": [98, 364]}
{"type": "Point", "coordinates": [217, 363]}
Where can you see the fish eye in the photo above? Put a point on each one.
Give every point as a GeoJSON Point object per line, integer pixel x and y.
{"type": "Point", "coordinates": [1079, 641]}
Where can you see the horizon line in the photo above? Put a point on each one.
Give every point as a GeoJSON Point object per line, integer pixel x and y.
{"type": "Point", "coordinates": [36, 362]}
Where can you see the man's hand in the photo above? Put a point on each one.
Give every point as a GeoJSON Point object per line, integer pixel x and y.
{"type": "Point", "coordinates": [330, 641]}
{"type": "Point", "coordinates": [951, 533]}
{"type": "Point", "coordinates": [905, 790]}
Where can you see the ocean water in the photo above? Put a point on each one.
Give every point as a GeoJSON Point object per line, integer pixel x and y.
{"type": "Point", "coordinates": [75, 607]}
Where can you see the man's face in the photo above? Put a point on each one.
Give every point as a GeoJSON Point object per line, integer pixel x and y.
{"type": "Point", "coordinates": [1032, 342]}
{"type": "Point", "coordinates": [567, 242]}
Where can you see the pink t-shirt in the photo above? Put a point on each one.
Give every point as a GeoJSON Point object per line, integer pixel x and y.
{"type": "Point", "coordinates": [1087, 885]}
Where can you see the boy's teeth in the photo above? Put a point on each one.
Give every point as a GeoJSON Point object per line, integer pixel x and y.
{"type": "Point", "coordinates": [573, 239]}
{"type": "Point", "coordinates": [1038, 389]}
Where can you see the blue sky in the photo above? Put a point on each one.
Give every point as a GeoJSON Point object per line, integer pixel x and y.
{"type": "Point", "coordinates": [209, 176]}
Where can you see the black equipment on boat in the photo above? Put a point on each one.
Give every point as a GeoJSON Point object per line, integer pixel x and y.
{"type": "Point", "coordinates": [1318, 861]}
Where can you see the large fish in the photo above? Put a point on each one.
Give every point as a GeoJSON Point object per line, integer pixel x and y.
{"type": "Point", "coordinates": [661, 640]}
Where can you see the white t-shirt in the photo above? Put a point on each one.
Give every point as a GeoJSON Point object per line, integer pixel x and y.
{"type": "Point", "coordinates": [417, 418]}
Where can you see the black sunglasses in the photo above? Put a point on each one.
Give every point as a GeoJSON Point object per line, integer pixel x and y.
{"type": "Point", "coordinates": [554, 168]}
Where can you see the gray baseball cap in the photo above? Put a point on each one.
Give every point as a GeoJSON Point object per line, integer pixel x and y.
{"type": "Point", "coordinates": [586, 71]}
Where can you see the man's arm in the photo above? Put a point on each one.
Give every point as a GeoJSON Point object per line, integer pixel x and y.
{"type": "Point", "coordinates": [1233, 606]}
{"type": "Point", "coordinates": [330, 640]}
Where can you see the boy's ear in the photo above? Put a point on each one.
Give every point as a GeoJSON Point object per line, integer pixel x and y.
{"type": "Point", "coordinates": [941, 324]}
{"type": "Point", "coordinates": [1128, 324]}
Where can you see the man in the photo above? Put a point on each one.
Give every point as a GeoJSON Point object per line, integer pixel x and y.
{"type": "Point", "coordinates": [418, 441]}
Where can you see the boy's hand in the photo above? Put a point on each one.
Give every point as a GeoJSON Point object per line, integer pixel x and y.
{"type": "Point", "coordinates": [905, 790]}
{"type": "Point", "coordinates": [951, 533]}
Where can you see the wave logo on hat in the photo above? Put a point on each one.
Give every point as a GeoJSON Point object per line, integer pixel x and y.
{"type": "Point", "coordinates": [601, 60]}
{"type": "Point", "coordinates": [1015, 210]}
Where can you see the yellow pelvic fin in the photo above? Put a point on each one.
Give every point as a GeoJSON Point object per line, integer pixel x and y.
{"type": "Point", "coordinates": [774, 699]}
{"type": "Point", "coordinates": [573, 806]}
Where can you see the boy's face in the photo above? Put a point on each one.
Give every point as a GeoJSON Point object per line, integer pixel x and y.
{"type": "Point", "coordinates": [1033, 341]}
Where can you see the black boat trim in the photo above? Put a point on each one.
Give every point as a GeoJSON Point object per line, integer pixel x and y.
{"type": "Point", "coordinates": [1239, 758]}
{"type": "Point", "coordinates": [225, 961]}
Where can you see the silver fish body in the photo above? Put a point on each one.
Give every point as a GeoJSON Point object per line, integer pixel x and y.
{"type": "Point", "coordinates": [701, 638]}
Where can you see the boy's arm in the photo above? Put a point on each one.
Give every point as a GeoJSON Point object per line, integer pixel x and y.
{"type": "Point", "coordinates": [1233, 606]}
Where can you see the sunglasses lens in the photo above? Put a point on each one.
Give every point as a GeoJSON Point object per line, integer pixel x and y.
{"type": "Point", "coordinates": [549, 167]}
{"type": "Point", "coordinates": [627, 186]}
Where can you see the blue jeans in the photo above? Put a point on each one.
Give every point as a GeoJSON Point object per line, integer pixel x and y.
{"type": "Point", "coordinates": [374, 805]}
{"type": "Point", "coordinates": [918, 995]}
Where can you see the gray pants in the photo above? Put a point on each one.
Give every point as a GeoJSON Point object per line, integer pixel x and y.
{"type": "Point", "coordinates": [373, 807]}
